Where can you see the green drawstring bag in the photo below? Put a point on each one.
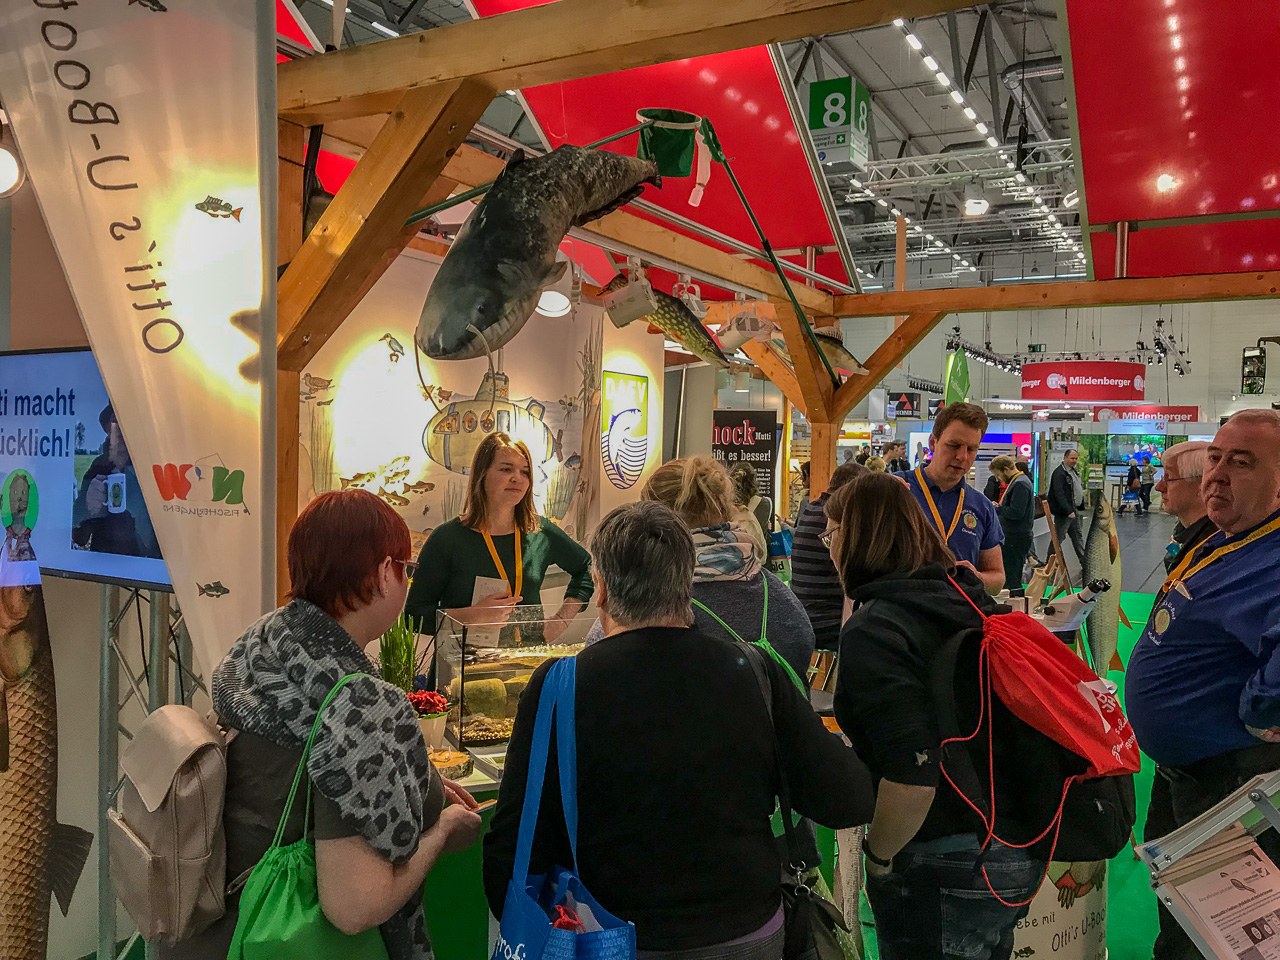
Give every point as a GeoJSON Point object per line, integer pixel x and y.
{"type": "Point", "coordinates": [280, 916]}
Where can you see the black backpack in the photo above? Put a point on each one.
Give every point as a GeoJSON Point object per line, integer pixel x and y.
{"type": "Point", "coordinates": [1098, 814]}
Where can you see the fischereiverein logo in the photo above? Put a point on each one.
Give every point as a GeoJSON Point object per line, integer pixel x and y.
{"type": "Point", "coordinates": [207, 481]}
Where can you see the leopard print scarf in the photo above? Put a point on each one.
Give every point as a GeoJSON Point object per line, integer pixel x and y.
{"type": "Point", "coordinates": [369, 757]}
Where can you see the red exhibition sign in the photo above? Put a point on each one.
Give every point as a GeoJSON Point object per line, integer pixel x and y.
{"type": "Point", "coordinates": [1084, 381]}
{"type": "Point", "coordinates": [1147, 411]}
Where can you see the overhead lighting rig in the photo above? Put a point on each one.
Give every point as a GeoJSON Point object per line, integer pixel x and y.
{"type": "Point", "coordinates": [925, 386]}
{"type": "Point", "coordinates": [1167, 347]}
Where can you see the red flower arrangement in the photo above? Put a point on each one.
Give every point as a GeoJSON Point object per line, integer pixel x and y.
{"type": "Point", "coordinates": [428, 703]}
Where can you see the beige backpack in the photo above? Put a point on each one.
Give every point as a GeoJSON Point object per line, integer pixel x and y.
{"type": "Point", "coordinates": [168, 849]}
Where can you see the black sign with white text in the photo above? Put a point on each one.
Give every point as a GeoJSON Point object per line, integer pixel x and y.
{"type": "Point", "coordinates": [748, 436]}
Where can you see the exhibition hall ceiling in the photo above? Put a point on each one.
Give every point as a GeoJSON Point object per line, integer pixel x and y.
{"type": "Point", "coordinates": [992, 102]}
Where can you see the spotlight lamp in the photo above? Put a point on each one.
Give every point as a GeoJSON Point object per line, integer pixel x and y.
{"type": "Point", "coordinates": [12, 173]}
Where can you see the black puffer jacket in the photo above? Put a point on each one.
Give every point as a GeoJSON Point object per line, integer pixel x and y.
{"type": "Point", "coordinates": [885, 696]}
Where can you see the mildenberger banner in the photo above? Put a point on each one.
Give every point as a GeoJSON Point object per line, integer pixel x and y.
{"type": "Point", "coordinates": [148, 131]}
{"type": "Point", "coordinates": [1084, 381]}
{"type": "Point", "coordinates": [1147, 412]}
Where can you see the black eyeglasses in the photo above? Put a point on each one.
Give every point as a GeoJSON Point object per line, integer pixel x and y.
{"type": "Point", "coordinates": [410, 567]}
{"type": "Point", "coordinates": [825, 538]}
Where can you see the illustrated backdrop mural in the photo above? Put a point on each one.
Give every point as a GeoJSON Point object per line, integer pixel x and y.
{"type": "Point", "coordinates": [367, 420]}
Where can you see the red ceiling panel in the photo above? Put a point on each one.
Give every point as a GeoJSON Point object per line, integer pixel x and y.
{"type": "Point", "coordinates": [1236, 247]}
{"type": "Point", "coordinates": [741, 94]}
{"type": "Point", "coordinates": [1175, 100]}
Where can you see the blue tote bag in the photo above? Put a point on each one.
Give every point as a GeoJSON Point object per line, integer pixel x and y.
{"type": "Point", "coordinates": [535, 902]}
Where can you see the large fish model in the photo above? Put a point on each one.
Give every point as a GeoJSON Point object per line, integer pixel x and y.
{"type": "Point", "coordinates": [677, 321]}
{"type": "Point", "coordinates": [505, 253]}
{"type": "Point", "coordinates": [38, 855]}
{"type": "Point", "coordinates": [1102, 562]}
{"type": "Point", "coordinates": [833, 348]}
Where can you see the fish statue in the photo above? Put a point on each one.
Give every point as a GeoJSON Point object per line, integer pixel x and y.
{"type": "Point", "coordinates": [505, 253]}
{"type": "Point", "coordinates": [218, 208]}
{"type": "Point", "coordinates": [215, 589]}
{"type": "Point", "coordinates": [678, 323]}
{"type": "Point", "coordinates": [38, 855]}
{"type": "Point", "coordinates": [624, 452]}
{"type": "Point", "coordinates": [833, 348]}
{"type": "Point", "coordinates": [1102, 562]}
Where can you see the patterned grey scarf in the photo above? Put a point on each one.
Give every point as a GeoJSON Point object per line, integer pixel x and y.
{"type": "Point", "coordinates": [369, 757]}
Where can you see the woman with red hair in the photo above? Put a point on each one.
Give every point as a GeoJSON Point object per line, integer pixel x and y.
{"type": "Point", "coordinates": [381, 813]}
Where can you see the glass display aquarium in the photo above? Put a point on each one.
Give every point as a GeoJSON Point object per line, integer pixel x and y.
{"type": "Point", "coordinates": [482, 667]}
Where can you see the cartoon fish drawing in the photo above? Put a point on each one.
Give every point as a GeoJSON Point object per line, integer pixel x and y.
{"type": "Point", "coordinates": [574, 462]}
{"type": "Point", "coordinates": [215, 589]}
{"type": "Point", "coordinates": [393, 498]}
{"type": "Point", "coordinates": [316, 383]}
{"type": "Point", "coordinates": [505, 254]}
{"type": "Point", "coordinates": [397, 463]}
{"type": "Point", "coordinates": [38, 855]}
{"type": "Point", "coordinates": [323, 403]}
{"type": "Point", "coordinates": [675, 320]}
{"type": "Point", "coordinates": [624, 452]}
{"type": "Point", "coordinates": [359, 480]}
{"type": "Point", "coordinates": [218, 208]}
{"type": "Point", "coordinates": [422, 486]}
{"type": "Point", "coordinates": [397, 476]}
{"type": "Point", "coordinates": [396, 347]}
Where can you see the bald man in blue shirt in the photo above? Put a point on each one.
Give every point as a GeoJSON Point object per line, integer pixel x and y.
{"type": "Point", "coordinates": [1203, 685]}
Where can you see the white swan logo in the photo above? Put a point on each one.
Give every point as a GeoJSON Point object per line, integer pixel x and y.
{"type": "Point", "coordinates": [1140, 383]}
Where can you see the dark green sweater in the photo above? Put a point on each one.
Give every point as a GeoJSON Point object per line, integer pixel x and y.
{"type": "Point", "coordinates": [454, 555]}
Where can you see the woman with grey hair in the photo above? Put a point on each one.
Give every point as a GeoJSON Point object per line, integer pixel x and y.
{"type": "Point", "coordinates": [677, 769]}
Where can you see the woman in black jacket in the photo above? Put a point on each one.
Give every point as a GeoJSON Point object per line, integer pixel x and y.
{"type": "Point", "coordinates": [924, 842]}
{"type": "Point", "coordinates": [677, 771]}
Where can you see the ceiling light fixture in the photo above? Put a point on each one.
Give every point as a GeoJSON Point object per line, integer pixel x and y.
{"type": "Point", "coordinates": [992, 141]}
{"type": "Point", "coordinates": [1165, 183]}
{"type": "Point", "coordinates": [931, 63]}
{"type": "Point", "coordinates": [1071, 199]}
{"type": "Point", "coordinates": [970, 113]}
{"type": "Point", "coordinates": [895, 212]}
{"type": "Point", "coordinates": [981, 127]}
{"type": "Point", "coordinates": [957, 96]}
{"type": "Point", "coordinates": [943, 78]}
{"type": "Point", "coordinates": [913, 41]}
{"type": "Point", "coordinates": [12, 174]}
{"type": "Point", "coordinates": [898, 22]}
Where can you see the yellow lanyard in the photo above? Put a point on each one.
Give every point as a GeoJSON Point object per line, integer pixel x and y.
{"type": "Point", "coordinates": [933, 507]}
{"type": "Point", "coordinates": [502, 571]}
{"type": "Point", "coordinates": [1181, 574]}
{"type": "Point", "coordinates": [1009, 484]}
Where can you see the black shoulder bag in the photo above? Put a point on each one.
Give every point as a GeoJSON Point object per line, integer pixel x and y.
{"type": "Point", "coordinates": [811, 921]}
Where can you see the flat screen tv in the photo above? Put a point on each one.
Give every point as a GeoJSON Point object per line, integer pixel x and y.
{"type": "Point", "coordinates": [69, 495]}
{"type": "Point", "coordinates": [1121, 447]}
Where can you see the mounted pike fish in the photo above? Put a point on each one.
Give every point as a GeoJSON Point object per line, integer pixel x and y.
{"type": "Point", "coordinates": [38, 855]}
{"type": "Point", "coordinates": [505, 253]}
{"type": "Point", "coordinates": [1102, 562]}
{"type": "Point", "coordinates": [677, 321]}
{"type": "Point", "coordinates": [833, 348]}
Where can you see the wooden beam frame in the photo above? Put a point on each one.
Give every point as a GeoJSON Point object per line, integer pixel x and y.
{"type": "Point", "coordinates": [815, 384]}
{"type": "Point", "coordinates": [562, 41]}
{"type": "Point", "coordinates": [773, 367]}
{"type": "Point", "coordinates": [365, 221]}
{"type": "Point", "coordinates": [1050, 296]}
{"type": "Point", "coordinates": [902, 341]}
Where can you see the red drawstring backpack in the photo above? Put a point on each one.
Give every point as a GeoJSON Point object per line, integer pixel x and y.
{"type": "Point", "coordinates": [1066, 720]}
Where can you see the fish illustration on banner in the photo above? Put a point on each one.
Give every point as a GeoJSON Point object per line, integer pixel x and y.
{"type": "Point", "coordinates": [505, 254]}
{"type": "Point", "coordinates": [160, 231]}
{"type": "Point", "coordinates": [624, 441]}
{"type": "Point", "coordinates": [39, 857]}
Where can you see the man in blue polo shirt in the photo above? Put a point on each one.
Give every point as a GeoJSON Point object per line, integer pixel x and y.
{"type": "Point", "coordinates": [966, 519]}
{"type": "Point", "coordinates": [1203, 685]}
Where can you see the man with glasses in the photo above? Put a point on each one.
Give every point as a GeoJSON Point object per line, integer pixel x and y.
{"type": "Point", "coordinates": [1203, 685]}
{"type": "Point", "coordinates": [1179, 490]}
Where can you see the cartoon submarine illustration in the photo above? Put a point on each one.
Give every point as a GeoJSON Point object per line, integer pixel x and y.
{"type": "Point", "coordinates": [452, 435]}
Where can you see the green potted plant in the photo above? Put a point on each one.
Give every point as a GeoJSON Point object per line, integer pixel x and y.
{"type": "Point", "coordinates": [400, 664]}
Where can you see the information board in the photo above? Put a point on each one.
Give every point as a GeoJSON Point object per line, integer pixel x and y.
{"type": "Point", "coordinates": [748, 436]}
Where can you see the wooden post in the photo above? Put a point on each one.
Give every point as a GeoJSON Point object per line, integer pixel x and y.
{"type": "Point", "coordinates": [900, 270]}
{"type": "Point", "coordinates": [785, 485]}
{"type": "Point", "coordinates": [822, 461]}
{"type": "Point", "coordinates": [291, 150]}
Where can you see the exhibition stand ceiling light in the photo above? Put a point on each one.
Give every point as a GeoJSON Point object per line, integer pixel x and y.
{"type": "Point", "coordinates": [12, 173]}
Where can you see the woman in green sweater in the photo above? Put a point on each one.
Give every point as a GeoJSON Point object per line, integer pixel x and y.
{"type": "Point", "coordinates": [499, 536]}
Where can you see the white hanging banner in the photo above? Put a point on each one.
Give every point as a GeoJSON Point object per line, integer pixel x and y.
{"type": "Point", "coordinates": [148, 131]}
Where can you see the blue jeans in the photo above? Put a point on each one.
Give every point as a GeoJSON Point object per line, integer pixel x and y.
{"type": "Point", "coordinates": [936, 905]}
